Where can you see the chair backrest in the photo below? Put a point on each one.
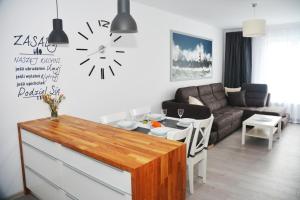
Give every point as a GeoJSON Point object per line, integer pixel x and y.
{"type": "Point", "coordinates": [188, 139]}
{"type": "Point", "coordinates": [180, 134]}
{"type": "Point", "coordinates": [140, 111]}
{"type": "Point", "coordinates": [203, 128]}
{"type": "Point", "coordinates": [107, 119]}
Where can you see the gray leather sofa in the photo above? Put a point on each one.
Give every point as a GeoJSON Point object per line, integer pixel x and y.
{"type": "Point", "coordinates": [228, 118]}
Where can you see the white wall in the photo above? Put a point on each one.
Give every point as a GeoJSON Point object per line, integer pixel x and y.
{"type": "Point", "coordinates": [144, 79]}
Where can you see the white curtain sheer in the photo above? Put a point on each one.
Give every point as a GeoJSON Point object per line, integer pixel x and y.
{"type": "Point", "coordinates": [276, 62]}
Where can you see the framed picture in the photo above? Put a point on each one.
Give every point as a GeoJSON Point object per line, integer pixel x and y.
{"type": "Point", "coordinates": [191, 57]}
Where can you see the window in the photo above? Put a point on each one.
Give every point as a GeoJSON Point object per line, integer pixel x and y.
{"type": "Point", "coordinates": [276, 62]}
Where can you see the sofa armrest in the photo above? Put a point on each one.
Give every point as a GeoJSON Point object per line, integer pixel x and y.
{"type": "Point", "coordinates": [190, 111]}
{"type": "Point", "coordinates": [268, 99]}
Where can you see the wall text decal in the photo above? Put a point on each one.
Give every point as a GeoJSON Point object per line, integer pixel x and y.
{"type": "Point", "coordinates": [37, 68]}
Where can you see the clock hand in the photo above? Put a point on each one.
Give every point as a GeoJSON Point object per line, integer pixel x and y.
{"type": "Point", "coordinates": [100, 50]}
{"type": "Point", "coordinates": [93, 53]}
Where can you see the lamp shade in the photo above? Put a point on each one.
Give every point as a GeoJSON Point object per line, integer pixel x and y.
{"type": "Point", "coordinates": [123, 22]}
{"type": "Point", "coordinates": [58, 36]}
{"type": "Point", "coordinates": [254, 28]}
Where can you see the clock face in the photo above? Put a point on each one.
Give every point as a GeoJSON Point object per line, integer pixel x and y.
{"type": "Point", "coordinates": [103, 58]}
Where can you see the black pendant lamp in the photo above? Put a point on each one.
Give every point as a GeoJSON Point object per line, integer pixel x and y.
{"type": "Point", "coordinates": [123, 22]}
{"type": "Point", "coordinates": [58, 36]}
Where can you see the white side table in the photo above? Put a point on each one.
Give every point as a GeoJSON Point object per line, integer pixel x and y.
{"type": "Point", "coordinates": [264, 127]}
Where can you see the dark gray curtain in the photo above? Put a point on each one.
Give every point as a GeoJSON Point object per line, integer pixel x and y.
{"type": "Point", "coordinates": [238, 59]}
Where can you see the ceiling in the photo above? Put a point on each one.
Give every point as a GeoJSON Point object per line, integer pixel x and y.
{"type": "Point", "coordinates": [231, 13]}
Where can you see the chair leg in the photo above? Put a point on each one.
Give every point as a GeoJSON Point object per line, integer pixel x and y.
{"type": "Point", "coordinates": [191, 177]}
{"type": "Point", "coordinates": [202, 169]}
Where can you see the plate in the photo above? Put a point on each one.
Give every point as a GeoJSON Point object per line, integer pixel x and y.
{"type": "Point", "coordinates": [186, 121]}
{"type": "Point", "coordinates": [127, 125]}
{"type": "Point", "coordinates": [161, 136]}
{"type": "Point", "coordinates": [160, 131]}
{"type": "Point", "coordinates": [132, 128]}
{"type": "Point", "coordinates": [183, 125]}
{"type": "Point", "coordinates": [156, 117]}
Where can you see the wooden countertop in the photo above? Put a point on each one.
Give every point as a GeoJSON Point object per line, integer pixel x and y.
{"type": "Point", "coordinates": [123, 149]}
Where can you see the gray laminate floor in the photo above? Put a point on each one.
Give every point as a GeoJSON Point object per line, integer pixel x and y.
{"type": "Point", "coordinates": [251, 172]}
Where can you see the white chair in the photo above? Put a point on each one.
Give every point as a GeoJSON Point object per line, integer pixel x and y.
{"type": "Point", "coordinates": [180, 134]}
{"type": "Point", "coordinates": [198, 150]}
{"type": "Point", "coordinates": [111, 118]}
{"type": "Point", "coordinates": [140, 112]}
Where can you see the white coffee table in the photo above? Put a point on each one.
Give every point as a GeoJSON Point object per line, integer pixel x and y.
{"type": "Point", "coordinates": [264, 127]}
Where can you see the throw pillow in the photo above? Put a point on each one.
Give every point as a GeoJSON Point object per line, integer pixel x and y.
{"type": "Point", "coordinates": [232, 90]}
{"type": "Point", "coordinates": [195, 101]}
{"type": "Point", "coordinates": [237, 98]}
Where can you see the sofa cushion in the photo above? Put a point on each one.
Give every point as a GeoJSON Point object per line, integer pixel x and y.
{"type": "Point", "coordinates": [195, 101]}
{"type": "Point", "coordinates": [221, 121]}
{"type": "Point", "coordinates": [219, 93]}
{"type": "Point", "coordinates": [237, 115]}
{"type": "Point", "coordinates": [227, 116]}
{"type": "Point", "coordinates": [182, 94]}
{"type": "Point", "coordinates": [227, 89]}
{"type": "Point", "coordinates": [207, 97]}
{"type": "Point", "coordinates": [234, 111]}
{"type": "Point", "coordinates": [256, 94]}
{"type": "Point", "coordinates": [236, 98]}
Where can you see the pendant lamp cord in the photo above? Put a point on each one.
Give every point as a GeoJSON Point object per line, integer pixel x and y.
{"type": "Point", "coordinates": [56, 9]}
{"type": "Point", "coordinates": [254, 6]}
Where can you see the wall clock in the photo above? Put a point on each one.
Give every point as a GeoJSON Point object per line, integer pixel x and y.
{"type": "Point", "coordinates": [103, 57]}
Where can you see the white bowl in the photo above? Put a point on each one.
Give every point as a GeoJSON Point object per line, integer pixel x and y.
{"type": "Point", "coordinates": [160, 131]}
{"type": "Point", "coordinates": [125, 124]}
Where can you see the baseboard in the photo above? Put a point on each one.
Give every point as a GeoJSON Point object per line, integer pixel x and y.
{"type": "Point", "coordinates": [15, 196]}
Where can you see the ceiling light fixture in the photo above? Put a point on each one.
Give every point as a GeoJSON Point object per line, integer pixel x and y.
{"type": "Point", "coordinates": [58, 36]}
{"type": "Point", "coordinates": [123, 22]}
{"type": "Point", "coordinates": [254, 27]}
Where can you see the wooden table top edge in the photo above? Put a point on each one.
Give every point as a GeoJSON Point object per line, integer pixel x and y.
{"type": "Point", "coordinates": [26, 126]}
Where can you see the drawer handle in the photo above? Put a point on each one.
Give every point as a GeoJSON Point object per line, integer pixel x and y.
{"type": "Point", "coordinates": [95, 179]}
{"type": "Point", "coordinates": [40, 176]}
{"type": "Point", "coordinates": [29, 145]}
{"type": "Point", "coordinates": [71, 196]}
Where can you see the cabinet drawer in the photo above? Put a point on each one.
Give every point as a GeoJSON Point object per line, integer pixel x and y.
{"type": "Point", "coordinates": [41, 187]}
{"type": "Point", "coordinates": [112, 176]}
{"type": "Point", "coordinates": [40, 143]}
{"type": "Point", "coordinates": [83, 186]}
{"type": "Point", "coordinates": [42, 163]}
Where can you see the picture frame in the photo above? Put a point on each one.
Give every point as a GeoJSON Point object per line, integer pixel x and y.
{"type": "Point", "coordinates": [191, 57]}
